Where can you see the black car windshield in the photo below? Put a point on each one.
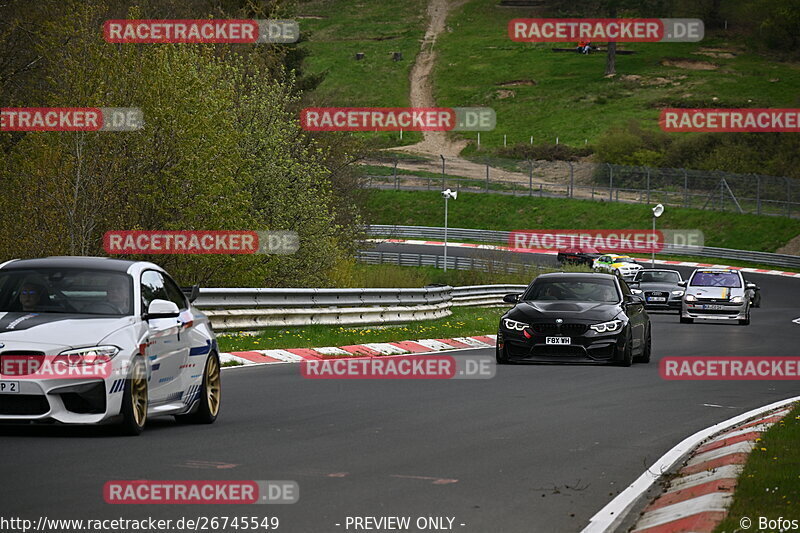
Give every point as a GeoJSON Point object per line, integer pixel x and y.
{"type": "Point", "coordinates": [623, 260]}
{"type": "Point", "coordinates": [575, 289]}
{"type": "Point", "coordinates": [66, 290]}
{"type": "Point", "coordinates": [716, 279]}
{"type": "Point", "coordinates": [658, 276]}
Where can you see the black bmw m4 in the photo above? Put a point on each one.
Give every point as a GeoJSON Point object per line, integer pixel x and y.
{"type": "Point", "coordinates": [575, 318]}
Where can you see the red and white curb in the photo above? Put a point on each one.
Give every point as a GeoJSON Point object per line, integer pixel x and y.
{"type": "Point", "coordinates": [372, 349]}
{"type": "Point", "coordinates": [698, 499]}
{"type": "Point", "coordinates": [551, 252]}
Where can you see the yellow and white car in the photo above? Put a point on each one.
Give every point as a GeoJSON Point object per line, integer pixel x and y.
{"type": "Point", "coordinates": [621, 265]}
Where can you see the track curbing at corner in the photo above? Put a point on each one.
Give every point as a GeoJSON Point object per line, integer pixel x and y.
{"type": "Point", "coordinates": [371, 349]}
{"type": "Point", "coordinates": [699, 497]}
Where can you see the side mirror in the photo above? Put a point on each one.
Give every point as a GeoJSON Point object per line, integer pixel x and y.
{"type": "Point", "coordinates": [634, 299]}
{"type": "Point", "coordinates": [191, 292]}
{"type": "Point", "coordinates": [633, 284]}
{"type": "Point", "coordinates": [682, 283]}
{"type": "Point", "coordinates": [751, 286]}
{"type": "Point", "coordinates": [511, 298]}
{"type": "Point", "coordinates": [162, 309]}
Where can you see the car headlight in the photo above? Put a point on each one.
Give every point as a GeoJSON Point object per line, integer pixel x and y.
{"type": "Point", "coordinates": [514, 325]}
{"type": "Point", "coordinates": [636, 291]}
{"type": "Point", "coordinates": [677, 293]}
{"type": "Point", "coordinates": [607, 327]}
{"type": "Point", "coordinates": [88, 356]}
{"type": "Point", "coordinates": [691, 298]}
{"type": "Point", "coordinates": [737, 299]}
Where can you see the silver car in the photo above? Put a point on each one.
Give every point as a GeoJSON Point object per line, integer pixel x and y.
{"type": "Point", "coordinates": [90, 340]}
{"type": "Point", "coordinates": [716, 294]}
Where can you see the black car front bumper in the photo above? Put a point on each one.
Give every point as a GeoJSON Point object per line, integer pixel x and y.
{"type": "Point", "coordinates": [589, 347]}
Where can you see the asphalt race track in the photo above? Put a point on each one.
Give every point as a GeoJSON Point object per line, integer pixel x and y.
{"type": "Point", "coordinates": [537, 448]}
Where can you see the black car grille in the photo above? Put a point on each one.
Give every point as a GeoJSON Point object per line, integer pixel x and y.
{"type": "Point", "coordinates": [10, 361]}
{"type": "Point", "coordinates": [656, 294]}
{"type": "Point", "coordinates": [729, 311]}
{"type": "Point", "coordinates": [713, 301]}
{"type": "Point", "coordinates": [23, 404]}
{"type": "Point", "coordinates": [562, 329]}
{"type": "Point", "coordinates": [558, 351]}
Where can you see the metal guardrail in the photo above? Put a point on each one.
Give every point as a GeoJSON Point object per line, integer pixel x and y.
{"type": "Point", "coordinates": [250, 309]}
{"type": "Point", "coordinates": [494, 236]}
{"type": "Point", "coordinates": [437, 261]}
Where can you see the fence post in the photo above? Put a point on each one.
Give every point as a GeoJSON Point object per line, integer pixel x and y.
{"type": "Point", "coordinates": [540, 190]}
{"type": "Point", "coordinates": [758, 195]}
{"type": "Point", "coordinates": [571, 179]}
{"type": "Point", "coordinates": [396, 181]}
{"type": "Point", "coordinates": [444, 179]}
{"type": "Point", "coordinates": [685, 188]}
{"type": "Point", "coordinates": [610, 183]}
{"type": "Point", "coordinates": [487, 177]}
{"type": "Point", "coordinates": [788, 197]}
{"type": "Point", "coordinates": [530, 178]}
{"type": "Point", "coordinates": [648, 185]}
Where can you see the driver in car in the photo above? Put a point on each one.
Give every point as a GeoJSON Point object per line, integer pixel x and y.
{"type": "Point", "coordinates": [117, 292]}
{"type": "Point", "coordinates": [30, 294]}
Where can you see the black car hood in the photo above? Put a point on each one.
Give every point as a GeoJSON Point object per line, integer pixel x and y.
{"type": "Point", "coordinates": [590, 311]}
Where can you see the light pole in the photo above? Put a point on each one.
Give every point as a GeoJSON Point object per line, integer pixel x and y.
{"type": "Point", "coordinates": [657, 212]}
{"type": "Point", "coordinates": [447, 194]}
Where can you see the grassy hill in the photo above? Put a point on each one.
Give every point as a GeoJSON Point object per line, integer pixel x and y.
{"type": "Point", "coordinates": [535, 91]}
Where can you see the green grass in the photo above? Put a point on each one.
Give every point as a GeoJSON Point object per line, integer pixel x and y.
{"type": "Point", "coordinates": [487, 211]}
{"type": "Point", "coordinates": [463, 322]}
{"type": "Point", "coordinates": [769, 486]}
{"type": "Point", "coordinates": [356, 275]}
{"type": "Point", "coordinates": [570, 99]}
{"type": "Point", "coordinates": [376, 28]}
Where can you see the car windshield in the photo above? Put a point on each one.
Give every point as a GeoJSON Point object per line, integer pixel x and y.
{"type": "Point", "coordinates": [576, 289]}
{"type": "Point", "coordinates": [66, 290]}
{"type": "Point", "coordinates": [716, 279]}
{"type": "Point", "coordinates": [660, 276]}
{"type": "Point", "coordinates": [623, 260]}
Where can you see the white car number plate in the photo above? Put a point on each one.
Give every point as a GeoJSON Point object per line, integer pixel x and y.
{"type": "Point", "coordinates": [9, 387]}
{"type": "Point", "coordinates": [558, 340]}
{"type": "Point", "coordinates": [713, 307]}
{"type": "Point", "coordinates": [656, 299]}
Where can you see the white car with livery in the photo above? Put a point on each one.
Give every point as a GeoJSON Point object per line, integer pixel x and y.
{"type": "Point", "coordinates": [90, 340]}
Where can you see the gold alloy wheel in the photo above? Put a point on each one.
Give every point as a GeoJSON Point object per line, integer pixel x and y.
{"type": "Point", "coordinates": [139, 394]}
{"type": "Point", "coordinates": [212, 385]}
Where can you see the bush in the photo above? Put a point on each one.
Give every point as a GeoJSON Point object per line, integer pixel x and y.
{"type": "Point", "coordinates": [546, 152]}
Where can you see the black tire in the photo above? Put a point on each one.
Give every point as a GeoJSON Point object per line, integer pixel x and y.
{"type": "Point", "coordinates": [210, 395]}
{"type": "Point", "coordinates": [135, 399]}
{"type": "Point", "coordinates": [501, 355]}
{"type": "Point", "coordinates": [687, 320]}
{"type": "Point", "coordinates": [745, 321]}
{"type": "Point", "coordinates": [647, 349]}
{"type": "Point", "coordinates": [627, 352]}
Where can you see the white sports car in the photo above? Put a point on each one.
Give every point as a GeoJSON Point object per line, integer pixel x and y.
{"type": "Point", "coordinates": [90, 340]}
